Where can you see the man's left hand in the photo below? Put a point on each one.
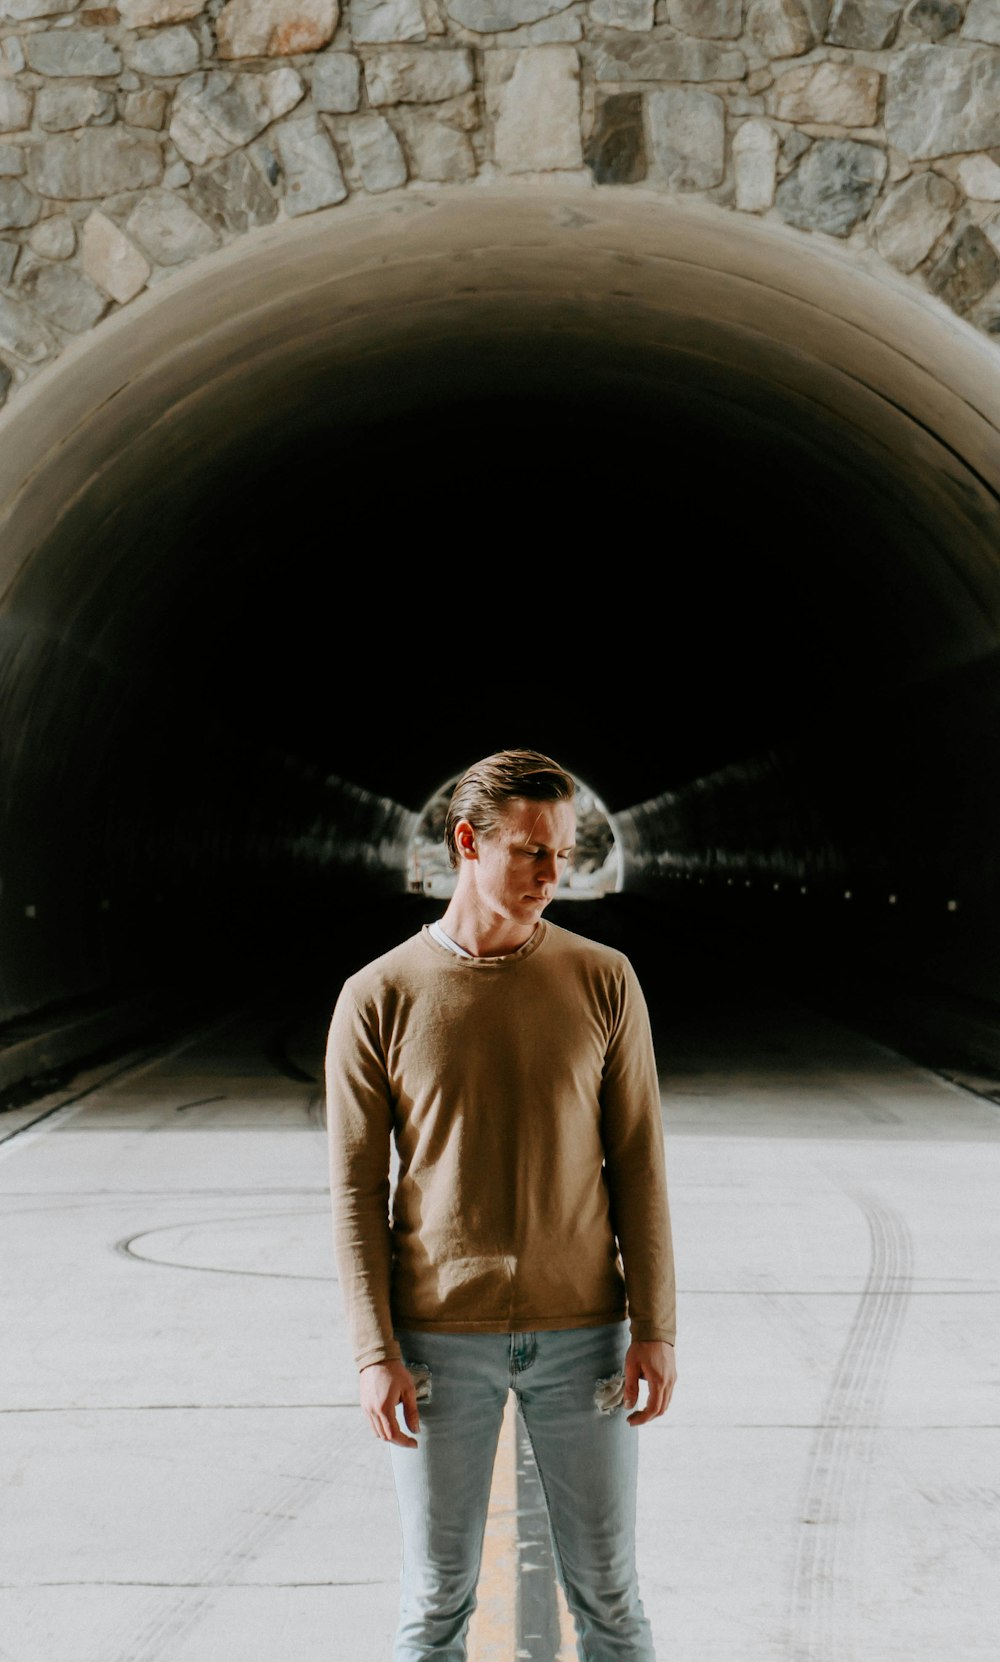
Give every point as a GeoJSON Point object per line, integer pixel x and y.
{"type": "Point", "coordinates": [653, 1361]}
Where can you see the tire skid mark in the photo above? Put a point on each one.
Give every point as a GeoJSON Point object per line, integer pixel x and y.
{"type": "Point", "coordinates": [830, 1548]}
{"type": "Point", "coordinates": [167, 1616]}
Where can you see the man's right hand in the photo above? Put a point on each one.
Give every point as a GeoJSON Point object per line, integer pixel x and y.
{"type": "Point", "coordinates": [384, 1385]}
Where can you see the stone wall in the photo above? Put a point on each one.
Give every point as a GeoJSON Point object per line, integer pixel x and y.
{"type": "Point", "coordinates": [139, 136]}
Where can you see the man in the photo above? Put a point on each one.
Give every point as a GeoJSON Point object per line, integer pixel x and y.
{"type": "Point", "coordinates": [511, 1062]}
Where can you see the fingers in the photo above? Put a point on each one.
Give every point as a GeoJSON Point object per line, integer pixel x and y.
{"type": "Point", "coordinates": [633, 1374]}
{"type": "Point", "coordinates": [656, 1403]}
{"type": "Point", "coordinates": [410, 1412]}
{"type": "Point", "coordinates": [661, 1389]}
{"type": "Point", "coordinates": [387, 1429]}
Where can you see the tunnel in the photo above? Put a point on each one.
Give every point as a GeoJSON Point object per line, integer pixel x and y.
{"type": "Point", "coordinates": [703, 509]}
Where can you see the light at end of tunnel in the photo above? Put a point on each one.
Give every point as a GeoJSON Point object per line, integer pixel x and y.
{"type": "Point", "coordinates": [847, 894]}
{"type": "Point", "coordinates": [892, 900]}
{"type": "Point", "coordinates": [953, 905]}
{"type": "Point", "coordinates": [31, 911]}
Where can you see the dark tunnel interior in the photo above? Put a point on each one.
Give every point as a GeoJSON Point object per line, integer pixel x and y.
{"type": "Point", "coordinates": [770, 648]}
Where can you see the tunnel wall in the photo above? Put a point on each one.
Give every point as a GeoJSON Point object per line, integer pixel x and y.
{"type": "Point", "coordinates": [138, 138]}
{"type": "Point", "coordinates": [871, 843]}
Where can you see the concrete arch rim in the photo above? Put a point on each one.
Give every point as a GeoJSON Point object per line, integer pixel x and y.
{"type": "Point", "coordinates": [846, 301]}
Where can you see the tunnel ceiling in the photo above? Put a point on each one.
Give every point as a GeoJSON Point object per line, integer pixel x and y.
{"type": "Point", "coordinates": [492, 470]}
{"type": "Point", "coordinates": [599, 505]}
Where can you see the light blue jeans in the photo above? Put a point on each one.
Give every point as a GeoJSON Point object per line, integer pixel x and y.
{"type": "Point", "coordinates": [586, 1461]}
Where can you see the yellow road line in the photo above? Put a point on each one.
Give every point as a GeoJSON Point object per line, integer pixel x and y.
{"type": "Point", "coordinates": [493, 1629]}
{"type": "Point", "coordinates": [567, 1632]}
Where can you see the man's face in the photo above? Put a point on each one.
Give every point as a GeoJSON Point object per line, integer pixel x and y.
{"type": "Point", "coordinates": [518, 866]}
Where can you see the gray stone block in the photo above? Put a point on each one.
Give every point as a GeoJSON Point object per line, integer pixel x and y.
{"type": "Point", "coordinates": [336, 82]}
{"type": "Point", "coordinates": [713, 19]}
{"type": "Point", "coordinates": [19, 207]}
{"type": "Point", "coordinates": [935, 18]}
{"type": "Point", "coordinates": [912, 218]}
{"type": "Point", "coordinates": [616, 149]}
{"type": "Point", "coordinates": [967, 271]}
{"type": "Point", "coordinates": [234, 196]}
{"type": "Point", "coordinates": [25, 11]}
{"type": "Point", "coordinates": [663, 57]}
{"type": "Point", "coordinates": [61, 109]}
{"type": "Point", "coordinates": [793, 145]}
{"type": "Point", "coordinates": [147, 108]}
{"type": "Point", "coordinates": [780, 28]}
{"type": "Point", "coordinates": [176, 175]}
{"type": "Point", "coordinates": [864, 25]}
{"type": "Point", "coordinates": [65, 297]}
{"type": "Point", "coordinates": [563, 28]}
{"type": "Point", "coordinates": [98, 162]}
{"type": "Point", "coordinates": [114, 262]}
{"type": "Point", "coordinates": [169, 52]}
{"type": "Point", "coordinates": [15, 107]}
{"type": "Point", "coordinates": [313, 178]}
{"type": "Point", "coordinates": [687, 137]}
{"type": "Point", "coordinates": [636, 15]}
{"type": "Point", "coordinates": [982, 22]}
{"type": "Point", "coordinates": [9, 255]}
{"type": "Point", "coordinates": [23, 333]}
{"type": "Point", "coordinates": [72, 52]}
{"type": "Point", "coordinates": [755, 166]}
{"type": "Point", "coordinates": [11, 161]}
{"type": "Point", "coordinates": [534, 97]}
{"type": "Point", "coordinates": [943, 102]}
{"type": "Point", "coordinates": [11, 56]}
{"type": "Point", "coordinates": [410, 75]}
{"type": "Point", "coordinates": [437, 153]}
{"type": "Point", "coordinates": [167, 230]}
{"type": "Point", "coordinates": [838, 94]}
{"type": "Point", "coordinates": [376, 21]}
{"type": "Point", "coordinates": [217, 111]}
{"type": "Point", "coordinates": [377, 154]}
{"type": "Point", "coordinates": [54, 239]}
{"type": "Point", "coordinates": [145, 14]}
{"type": "Point", "coordinates": [834, 186]}
{"type": "Point", "coordinates": [490, 17]}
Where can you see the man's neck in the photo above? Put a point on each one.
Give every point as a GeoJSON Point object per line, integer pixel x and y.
{"type": "Point", "coordinates": [485, 935]}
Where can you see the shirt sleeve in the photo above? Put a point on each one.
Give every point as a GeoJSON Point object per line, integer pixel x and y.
{"type": "Point", "coordinates": [635, 1168]}
{"type": "Point", "coordinates": [359, 1129]}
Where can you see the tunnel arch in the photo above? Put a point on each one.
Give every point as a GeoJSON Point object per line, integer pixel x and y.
{"type": "Point", "coordinates": [817, 370]}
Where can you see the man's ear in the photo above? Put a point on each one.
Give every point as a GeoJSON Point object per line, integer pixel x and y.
{"type": "Point", "coordinates": [465, 840]}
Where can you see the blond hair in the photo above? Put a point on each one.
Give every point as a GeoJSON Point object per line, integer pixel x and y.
{"type": "Point", "coordinates": [486, 786]}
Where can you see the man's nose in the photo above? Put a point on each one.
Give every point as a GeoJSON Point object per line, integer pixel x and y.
{"type": "Point", "coordinates": [549, 872]}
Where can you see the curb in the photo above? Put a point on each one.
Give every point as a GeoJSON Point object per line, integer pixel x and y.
{"type": "Point", "coordinates": [74, 1039]}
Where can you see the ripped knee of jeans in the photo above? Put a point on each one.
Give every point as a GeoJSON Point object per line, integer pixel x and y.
{"type": "Point", "coordinates": [421, 1379]}
{"type": "Point", "coordinates": [610, 1393]}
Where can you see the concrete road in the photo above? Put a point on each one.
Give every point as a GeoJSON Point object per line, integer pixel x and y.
{"type": "Point", "coordinates": [186, 1477]}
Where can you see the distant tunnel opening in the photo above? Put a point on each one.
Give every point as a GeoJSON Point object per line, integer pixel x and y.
{"type": "Point", "coordinates": [703, 512]}
{"type": "Point", "coordinates": [596, 869]}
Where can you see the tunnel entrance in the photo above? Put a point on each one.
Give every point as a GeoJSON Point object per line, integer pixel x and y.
{"type": "Point", "coordinates": [307, 529]}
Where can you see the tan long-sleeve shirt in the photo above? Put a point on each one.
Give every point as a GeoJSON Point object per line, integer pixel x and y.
{"type": "Point", "coordinates": [522, 1095]}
